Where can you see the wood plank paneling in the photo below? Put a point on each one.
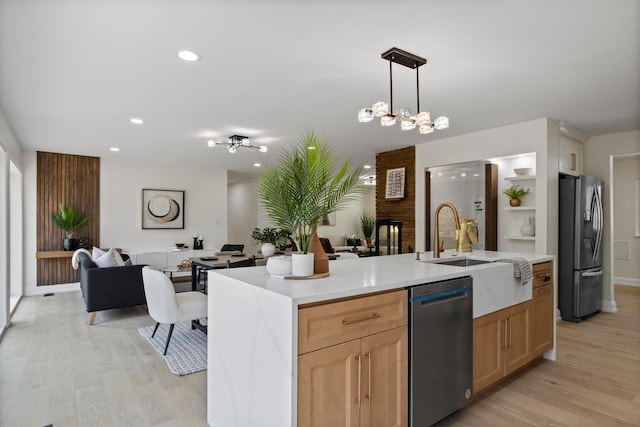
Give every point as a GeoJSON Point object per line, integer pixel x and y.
{"type": "Point", "coordinates": [399, 209]}
{"type": "Point", "coordinates": [71, 180]}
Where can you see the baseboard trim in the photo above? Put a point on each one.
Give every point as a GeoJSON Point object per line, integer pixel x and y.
{"type": "Point", "coordinates": [41, 290]}
{"type": "Point", "coordinates": [629, 281]}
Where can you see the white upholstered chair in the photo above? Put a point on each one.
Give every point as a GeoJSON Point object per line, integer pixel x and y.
{"type": "Point", "coordinates": [167, 306]}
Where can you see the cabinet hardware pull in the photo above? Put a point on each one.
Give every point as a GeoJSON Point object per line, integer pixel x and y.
{"type": "Point", "coordinates": [503, 332]}
{"type": "Point", "coordinates": [509, 332]}
{"type": "Point", "coordinates": [368, 396]}
{"type": "Point", "coordinates": [359, 359]}
{"type": "Point", "coordinates": [546, 277]}
{"type": "Point", "coordinates": [362, 319]}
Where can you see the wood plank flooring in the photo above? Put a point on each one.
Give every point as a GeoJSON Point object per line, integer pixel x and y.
{"type": "Point", "coordinates": [56, 369]}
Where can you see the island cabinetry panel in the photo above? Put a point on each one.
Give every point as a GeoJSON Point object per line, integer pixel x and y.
{"type": "Point", "coordinates": [360, 376]}
{"type": "Point", "coordinates": [542, 308]}
{"type": "Point", "coordinates": [501, 344]}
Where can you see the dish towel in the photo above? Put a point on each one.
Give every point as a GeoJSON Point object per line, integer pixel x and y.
{"type": "Point", "coordinates": [521, 269]}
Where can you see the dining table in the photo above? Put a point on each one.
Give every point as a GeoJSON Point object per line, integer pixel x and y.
{"type": "Point", "coordinates": [211, 263]}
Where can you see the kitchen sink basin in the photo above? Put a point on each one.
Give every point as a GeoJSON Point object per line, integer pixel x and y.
{"type": "Point", "coordinates": [462, 262]}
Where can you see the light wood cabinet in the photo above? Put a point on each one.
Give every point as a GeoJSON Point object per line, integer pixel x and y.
{"type": "Point", "coordinates": [361, 381]}
{"type": "Point", "coordinates": [501, 344]}
{"type": "Point", "coordinates": [542, 308]}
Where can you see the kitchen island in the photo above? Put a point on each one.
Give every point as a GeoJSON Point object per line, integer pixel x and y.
{"type": "Point", "coordinates": [253, 323]}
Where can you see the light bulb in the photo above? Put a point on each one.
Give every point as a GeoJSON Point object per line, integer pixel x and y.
{"type": "Point", "coordinates": [424, 129]}
{"type": "Point", "coordinates": [441, 122]}
{"type": "Point", "coordinates": [232, 149]}
{"type": "Point", "coordinates": [264, 148]}
{"type": "Point", "coordinates": [365, 115]}
{"type": "Point", "coordinates": [379, 109]}
{"type": "Point", "coordinates": [423, 118]}
{"type": "Point", "coordinates": [407, 124]}
{"type": "Point", "coordinates": [245, 141]}
{"type": "Point", "coordinates": [211, 143]}
{"type": "Point", "coordinates": [388, 120]}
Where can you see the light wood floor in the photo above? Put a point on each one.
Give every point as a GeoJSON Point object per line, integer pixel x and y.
{"type": "Point", "coordinates": [54, 368]}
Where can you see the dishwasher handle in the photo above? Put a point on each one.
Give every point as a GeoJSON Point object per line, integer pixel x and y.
{"type": "Point", "coordinates": [441, 296]}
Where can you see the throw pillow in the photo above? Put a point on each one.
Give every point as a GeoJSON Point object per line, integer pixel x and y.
{"type": "Point", "coordinates": [111, 258]}
{"type": "Point", "coordinates": [95, 253]}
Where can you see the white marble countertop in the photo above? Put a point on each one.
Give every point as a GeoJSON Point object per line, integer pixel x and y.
{"type": "Point", "coordinates": [370, 274]}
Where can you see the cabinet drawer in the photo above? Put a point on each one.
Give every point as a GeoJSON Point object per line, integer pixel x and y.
{"type": "Point", "coordinates": [333, 323]}
{"type": "Point", "coordinates": [542, 273]}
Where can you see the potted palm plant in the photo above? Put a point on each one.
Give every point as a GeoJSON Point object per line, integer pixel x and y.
{"type": "Point", "coordinates": [303, 188]}
{"type": "Point", "coordinates": [367, 223]}
{"type": "Point", "coordinates": [69, 220]}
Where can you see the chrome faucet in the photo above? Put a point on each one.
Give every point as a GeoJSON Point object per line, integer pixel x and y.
{"type": "Point", "coordinates": [436, 234]}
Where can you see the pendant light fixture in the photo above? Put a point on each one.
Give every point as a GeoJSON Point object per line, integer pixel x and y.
{"type": "Point", "coordinates": [238, 141]}
{"type": "Point", "coordinates": [422, 120]}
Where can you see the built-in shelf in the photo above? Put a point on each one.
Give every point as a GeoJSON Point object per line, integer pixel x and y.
{"type": "Point", "coordinates": [519, 208]}
{"type": "Point", "coordinates": [532, 238]}
{"type": "Point", "coordinates": [519, 178]}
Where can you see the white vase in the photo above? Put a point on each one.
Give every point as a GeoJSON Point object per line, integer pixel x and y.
{"type": "Point", "coordinates": [529, 227]}
{"type": "Point", "coordinates": [268, 249]}
{"type": "Point", "coordinates": [302, 264]}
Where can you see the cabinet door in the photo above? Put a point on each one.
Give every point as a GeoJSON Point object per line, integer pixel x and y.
{"type": "Point", "coordinates": [518, 345]}
{"type": "Point", "coordinates": [385, 379]}
{"type": "Point", "coordinates": [542, 320]}
{"type": "Point", "coordinates": [328, 386]}
{"type": "Point", "coordinates": [488, 345]}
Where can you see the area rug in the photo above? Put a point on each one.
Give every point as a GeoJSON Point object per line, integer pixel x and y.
{"type": "Point", "coordinates": [187, 351]}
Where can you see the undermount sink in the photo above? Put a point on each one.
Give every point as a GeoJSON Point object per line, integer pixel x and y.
{"type": "Point", "coordinates": [462, 262]}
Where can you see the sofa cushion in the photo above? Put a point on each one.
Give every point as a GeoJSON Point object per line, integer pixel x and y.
{"type": "Point", "coordinates": [111, 258]}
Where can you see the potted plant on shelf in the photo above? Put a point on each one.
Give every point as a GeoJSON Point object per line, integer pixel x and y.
{"type": "Point", "coordinates": [69, 220]}
{"type": "Point", "coordinates": [515, 192]}
{"type": "Point", "coordinates": [270, 238]}
{"type": "Point", "coordinates": [367, 223]}
{"type": "Point", "coordinates": [302, 189]}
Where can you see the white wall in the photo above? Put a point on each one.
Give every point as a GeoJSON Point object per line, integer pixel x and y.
{"type": "Point", "coordinates": [348, 219]}
{"type": "Point", "coordinates": [626, 170]}
{"type": "Point", "coordinates": [598, 161]}
{"type": "Point", "coordinates": [121, 185]}
{"type": "Point", "coordinates": [243, 213]}
{"type": "Point", "coordinates": [536, 136]}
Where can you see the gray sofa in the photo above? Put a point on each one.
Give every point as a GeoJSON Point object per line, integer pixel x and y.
{"type": "Point", "coordinates": [110, 287]}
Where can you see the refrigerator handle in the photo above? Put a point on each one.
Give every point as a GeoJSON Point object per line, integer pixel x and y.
{"type": "Point", "coordinates": [592, 273]}
{"type": "Point", "coordinates": [597, 223]}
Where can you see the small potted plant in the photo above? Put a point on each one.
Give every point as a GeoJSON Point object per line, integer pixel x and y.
{"type": "Point", "coordinates": [515, 192]}
{"type": "Point", "coordinates": [367, 223]}
{"type": "Point", "coordinates": [69, 220]}
{"type": "Point", "coordinates": [270, 238]}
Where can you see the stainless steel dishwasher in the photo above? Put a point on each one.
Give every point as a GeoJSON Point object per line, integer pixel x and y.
{"type": "Point", "coordinates": [440, 349]}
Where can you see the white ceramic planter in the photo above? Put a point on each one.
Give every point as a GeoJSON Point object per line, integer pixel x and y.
{"type": "Point", "coordinates": [268, 249]}
{"type": "Point", "coordinates": [302, 264]}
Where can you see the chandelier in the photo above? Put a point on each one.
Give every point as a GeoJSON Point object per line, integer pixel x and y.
{"type": "Point", "coordinates": [422, 120]}
{"type": "Point", "coordinates": [238, 141]}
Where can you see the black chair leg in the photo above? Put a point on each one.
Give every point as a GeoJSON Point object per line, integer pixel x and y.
{"type": "Point", "coordinates": [168, 339]}
{"type": "Point", "coordinates": [155, 329]}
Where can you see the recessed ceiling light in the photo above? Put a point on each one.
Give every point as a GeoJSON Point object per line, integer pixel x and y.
{"type": "Point", "coordinates": [476, 174]}
{"type": "Point", "coordinates": [257, 165]}
{"type": "Point", "coordinates": [136, 120]}
{"type": "Point", "coordinates": [439, 173]}
{"type": "Point", "coordinates": [187, 55]}
{"type": "Point", "coordinates": [367, 166]}
{"type": "Point", "coordinates": [114, 149]}
{"type": "Point", "coordinates": [463, 174]}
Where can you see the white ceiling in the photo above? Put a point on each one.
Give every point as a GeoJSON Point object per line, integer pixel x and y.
{"type": "Point", "coordinates": [72, 73]}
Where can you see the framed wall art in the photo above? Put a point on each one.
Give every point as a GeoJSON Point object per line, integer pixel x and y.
{"type": "Point", "coordinates": [395, 184]}
{"type": "Point", "coordinates": [162, 209]}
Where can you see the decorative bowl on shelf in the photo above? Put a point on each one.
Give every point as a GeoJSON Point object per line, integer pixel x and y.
{"type": "Point", "coordinates": [179, 245]}
{"type": "Point", "coordinates": [279, 265]}
{"type": "Point", "coordinates": [523, 171]}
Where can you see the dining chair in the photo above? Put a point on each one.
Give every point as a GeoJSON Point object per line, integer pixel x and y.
{"type": "Point", "coordinates": [167, 306]}
{"type": "Point", "coordinates": [228, 247]}
{"type": "Point", "coordinates": [249, 262]}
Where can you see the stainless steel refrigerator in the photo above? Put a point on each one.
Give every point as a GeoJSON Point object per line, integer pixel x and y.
{"type": "Point", "coordinates": [580, 247]}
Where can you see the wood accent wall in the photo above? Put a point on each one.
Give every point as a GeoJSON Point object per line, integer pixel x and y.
{"type": "Point", "coordinates": [71, 180]}
{"type": "Point", "coordinates": [400, 209]}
